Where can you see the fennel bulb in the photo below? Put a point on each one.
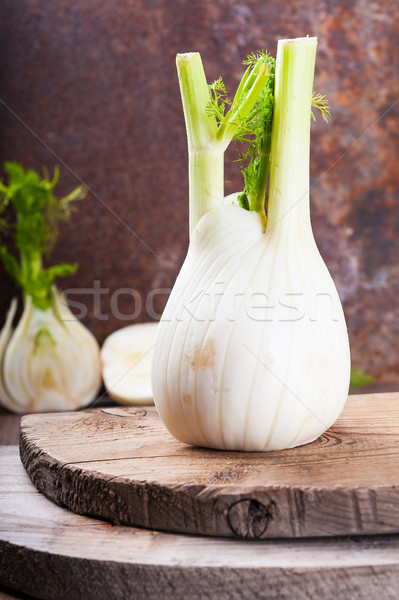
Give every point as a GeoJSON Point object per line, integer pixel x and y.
{"type": "Point", "coordinates": [126, 359]}
{"type": "Point", "coordinates": [50, 362]}
{"type": "Point", "coordinates": [252, 350]}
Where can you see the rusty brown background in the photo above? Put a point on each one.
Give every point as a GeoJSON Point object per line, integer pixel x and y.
{"type": "Point", "coordinates": [90, 86]}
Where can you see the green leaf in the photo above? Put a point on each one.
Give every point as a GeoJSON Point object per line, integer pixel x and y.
{"type": "Point", "coordinates": [59, 212]}
{"type": "Point", "coordinates": [320, 103]}
{"type": "Point", "coordinates": [35, 225]}
{"type": "Point", "coordinates": [62, 270]}
{"type": "Point", "coordinates": [11, 264]}
{"type": "Point", "coordinates": [360, 379]}
{"type": "Point", "coordinates": [14, 171]}
{"type": "Point", "coordinates": [30, 232]}
{"type": "Point", "coordinates": [243, 201]}
{"type": "Point", "coordinates": [219, 100]}
{"type": "Point", "coordinates": [256, 131]}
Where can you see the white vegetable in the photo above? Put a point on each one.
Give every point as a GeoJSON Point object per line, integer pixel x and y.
{"type": "Point", "coordinates": [126, 360]}
{"type": "Point", "coordinates": [50, 362]}
{"type": "Point", "coordinates": [252, 350]}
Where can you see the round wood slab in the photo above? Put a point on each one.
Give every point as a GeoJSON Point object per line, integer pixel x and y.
{"type": "Point", "coordinates": [122, 465]}
{"type": "Point", "coordinates": [48, 552]}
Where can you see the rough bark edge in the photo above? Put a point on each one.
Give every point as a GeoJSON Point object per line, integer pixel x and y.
{"type": "Point", "coordinates": [57, 577]}
{"type": "Point", "coordinates": [204, 510]}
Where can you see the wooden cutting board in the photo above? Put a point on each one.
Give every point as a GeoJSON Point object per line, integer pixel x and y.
{"type": "Point", "coordinates": [121, 464]}
{"type": "Point", "coordinates": [49, 552]}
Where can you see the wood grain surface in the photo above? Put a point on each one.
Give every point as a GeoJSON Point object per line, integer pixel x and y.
{"type": "Point", "coordinates": [48, 552]}
{"type": "Point", "coordinates": [122, 465]}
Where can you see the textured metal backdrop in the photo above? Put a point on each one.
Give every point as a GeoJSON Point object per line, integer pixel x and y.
{"type": "Point", "coordinates": [91, 86]}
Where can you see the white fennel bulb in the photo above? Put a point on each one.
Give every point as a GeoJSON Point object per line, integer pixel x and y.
{"type": "Point", "coordinates": [50, 362]}
{"type": "Point", "coordinates": [252, 350]}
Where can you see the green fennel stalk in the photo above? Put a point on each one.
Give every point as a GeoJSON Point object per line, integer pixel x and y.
{"type": "Point", "coordinates": [289, 167]}
{"type": "Point", "coordinates": [209, 130]}
{"type": "Point", "coordinates": [37, 213]}
{"type": "Point", "coordinates": [212, 121]}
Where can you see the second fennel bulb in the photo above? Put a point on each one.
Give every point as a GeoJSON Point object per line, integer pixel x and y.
{"type": "Point", "coordinates": [50, 361]}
